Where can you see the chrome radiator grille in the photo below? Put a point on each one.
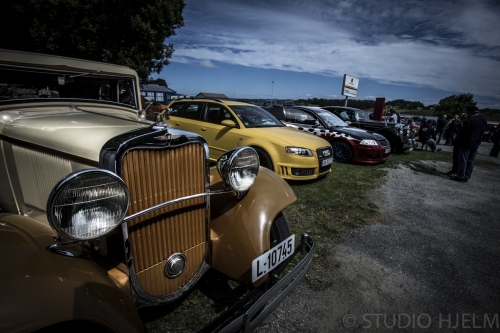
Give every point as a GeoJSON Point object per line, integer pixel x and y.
{"type": "Point", "coordinates": [154, 177]}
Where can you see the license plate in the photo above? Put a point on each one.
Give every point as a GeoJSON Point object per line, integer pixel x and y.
{"type": "Point", "coordinates": [411, 148]}
{"type": "Point", "coordinates": [387, 150]}
{"type": "Point", "coordinates": [326, 162]}
{"type": "Point", "coordinates": [272, 258]}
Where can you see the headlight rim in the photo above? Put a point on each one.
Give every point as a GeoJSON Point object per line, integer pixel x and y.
{"type": "Point", "coordinates": [225, 165]}
{"type": "Point", "coordinates": [70, 178]}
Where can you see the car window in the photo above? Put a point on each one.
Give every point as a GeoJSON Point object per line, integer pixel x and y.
{"type": "Point", "coordinates": [192, 111]}
{"type": "Point", "coordinates": [253, 116]}
{"type": "Point", "coordinates": [216, 113]}
{"type": "Point", "coordinates": [176, 108]}
{"type": "Point", "coordinates": [330, 119]}
{"type": "Point", "coordinates": [297, 116]}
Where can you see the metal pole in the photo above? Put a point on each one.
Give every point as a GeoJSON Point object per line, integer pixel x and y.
{"type": "Point", "coordinates": [272, 91]}
{"type": "Point", "coordinates": [346, 98]}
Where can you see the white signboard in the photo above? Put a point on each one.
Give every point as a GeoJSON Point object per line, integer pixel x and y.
{"type": "Point", "coordinates": [350, 86]}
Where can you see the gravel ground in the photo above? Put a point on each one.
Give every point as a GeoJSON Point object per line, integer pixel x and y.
{"type": "Point", "coordinates": [432, 263]}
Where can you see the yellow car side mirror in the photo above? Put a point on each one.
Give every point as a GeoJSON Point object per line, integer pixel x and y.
{"type": "Point", "coordinates": [228, 123]}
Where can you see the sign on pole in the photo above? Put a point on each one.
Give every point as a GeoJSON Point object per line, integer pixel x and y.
{"type": "Point", "coordinates": [350, 86]}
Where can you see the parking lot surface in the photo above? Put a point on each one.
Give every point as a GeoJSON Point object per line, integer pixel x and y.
{"type": "Point", "coordinates": [430, 264]}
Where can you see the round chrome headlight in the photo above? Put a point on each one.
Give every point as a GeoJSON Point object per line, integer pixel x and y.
{"type": "Point", "coordinates": [87, 204]}
{"type": "Point", "coordinates": [238, 168]}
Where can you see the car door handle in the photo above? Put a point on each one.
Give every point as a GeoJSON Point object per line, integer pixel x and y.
{"type": "Point", "coordinates": [177, 124]}
{"type": "Point", "coordinates": [203, 129]}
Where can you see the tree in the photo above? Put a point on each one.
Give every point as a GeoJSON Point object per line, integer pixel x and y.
{"type": "Point", "coordinates": [454, 104]}
{"type": "Point", "coordinates": [158, 81]}
{"type": "Point", "coordinates": [125, 32]}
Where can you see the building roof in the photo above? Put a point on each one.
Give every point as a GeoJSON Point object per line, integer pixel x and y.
{"type": "Point", "coordinates": [211, 95]}
{"type": "Point", "coordinates": [156, 88]}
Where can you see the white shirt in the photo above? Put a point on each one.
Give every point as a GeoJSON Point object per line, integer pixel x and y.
{"type": "Point", "coordinates": [394, 118]}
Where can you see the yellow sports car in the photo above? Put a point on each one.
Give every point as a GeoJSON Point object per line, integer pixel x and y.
{"type": "Point", "coordinates": [228, 124]}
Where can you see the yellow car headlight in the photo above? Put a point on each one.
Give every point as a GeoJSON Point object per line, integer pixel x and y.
{"type": "Point", "coordinates": [298, 151]}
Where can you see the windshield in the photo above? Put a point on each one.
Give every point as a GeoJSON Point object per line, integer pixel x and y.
{"type": "Point", "coordinates": [33, 83]}
{"type": "Point", "coordinates": [330, 119]}
{"type": "Point", "coordinates": [253, 116]}
{"type": "Point", "coordinates": [362, 115]}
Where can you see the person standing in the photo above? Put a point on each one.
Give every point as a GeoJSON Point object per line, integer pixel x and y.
{"type": "Point", "coordinates": [495, 138]}
{"type": "Point", "coordinates": [423, 121]}
{"type": "Point", "coordinates": [456, 149]}
{"type": "Point", "coordinates": [469, 139]}
{"type": "Point", "coordinates": [441, 125]}
{"type": "Point", "coordinates": [394, 116]}
{"type": "Point", "coordinates": [453, 129]}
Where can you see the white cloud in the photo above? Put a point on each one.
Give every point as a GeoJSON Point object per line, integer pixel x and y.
{"type": "Point", "coordinates": [207, 64]}
{"type": "Point", "coordinates": [434, 48]}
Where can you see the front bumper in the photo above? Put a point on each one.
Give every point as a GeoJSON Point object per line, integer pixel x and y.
{"type": "Point", "coordinates": [370, 154]}
{"type": "Point", "coordinates": [257, 305]}
{"type": "Point", "coordinates": [306, 168]}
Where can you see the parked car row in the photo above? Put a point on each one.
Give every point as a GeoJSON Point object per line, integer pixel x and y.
{"type": "Point", "coordinates": [348, 143]}
{"type": "Point", "coordinates": [103, 212]}
{"type": "Point", "coordinates": [398, 135]}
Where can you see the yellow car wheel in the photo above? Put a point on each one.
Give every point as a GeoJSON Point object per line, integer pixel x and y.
{"type": "Point", "coordinates": [265, 160]}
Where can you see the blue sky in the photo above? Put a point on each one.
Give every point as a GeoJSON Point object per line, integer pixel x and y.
{"type": "Point", "coordinates": [413, 50]}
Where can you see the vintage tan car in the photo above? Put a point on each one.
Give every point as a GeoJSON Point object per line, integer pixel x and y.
{"type": "Point", "coordinates": [103, 212]}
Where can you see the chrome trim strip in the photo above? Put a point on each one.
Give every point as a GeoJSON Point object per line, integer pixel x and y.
{"type": "Point", "coordinates": [171, 202]}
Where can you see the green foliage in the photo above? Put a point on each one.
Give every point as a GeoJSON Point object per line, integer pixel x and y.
{"type": "Point", "coordinates": [125, 32]}
{"type": "Point", "coordinates": [402, 104]}
{"type": "Point", "coordinates": [360, 104]}
{"type": "Point", "coordinates": [454, 104]}
{"type": "Point", "coordinates": [159, 81]}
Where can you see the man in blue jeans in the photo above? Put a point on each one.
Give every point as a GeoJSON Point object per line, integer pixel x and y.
{"type": "Point", "coordinates": [470, 138]}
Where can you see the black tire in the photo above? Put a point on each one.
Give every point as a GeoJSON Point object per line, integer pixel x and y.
{"type": "Point", "coordinates": [279, 230]}
{"type": "Point", "coordinates": [342, 152]}
{"type": "Point", "coordinates": [265, 160]}
{"type": "Point", "coordinates": [394, 145]}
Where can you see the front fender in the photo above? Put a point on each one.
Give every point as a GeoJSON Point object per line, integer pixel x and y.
{"type": "Point", "coordinates": [240, 229]}
{"type": "Point", "coordinates": [40, 288]}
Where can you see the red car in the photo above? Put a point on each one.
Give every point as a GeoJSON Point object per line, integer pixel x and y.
{"type": "Point", "coordinates": [350, 144]}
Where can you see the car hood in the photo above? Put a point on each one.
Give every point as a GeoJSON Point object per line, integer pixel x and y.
{"type": "Point", "coordinates": [358, 133]}
{"type": "Point", "coordinates": [380, 123]}
{"type": "Point", "coordinates": [66, 130]}
{"type": "Point", "coordinates": [290, 137]}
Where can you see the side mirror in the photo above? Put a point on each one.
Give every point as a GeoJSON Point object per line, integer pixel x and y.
{"type": "Point", "coordinates": [228, 123]}
{"type": "Point", "coordinates": [348, 122]}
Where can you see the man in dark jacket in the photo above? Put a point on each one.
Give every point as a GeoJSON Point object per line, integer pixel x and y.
{"type": "Point", "coordinates": [427, 136]}
{"type": "Point", "coordinates": [441, 125]}
{"type": "Point", "coordinates": [470, 138]}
